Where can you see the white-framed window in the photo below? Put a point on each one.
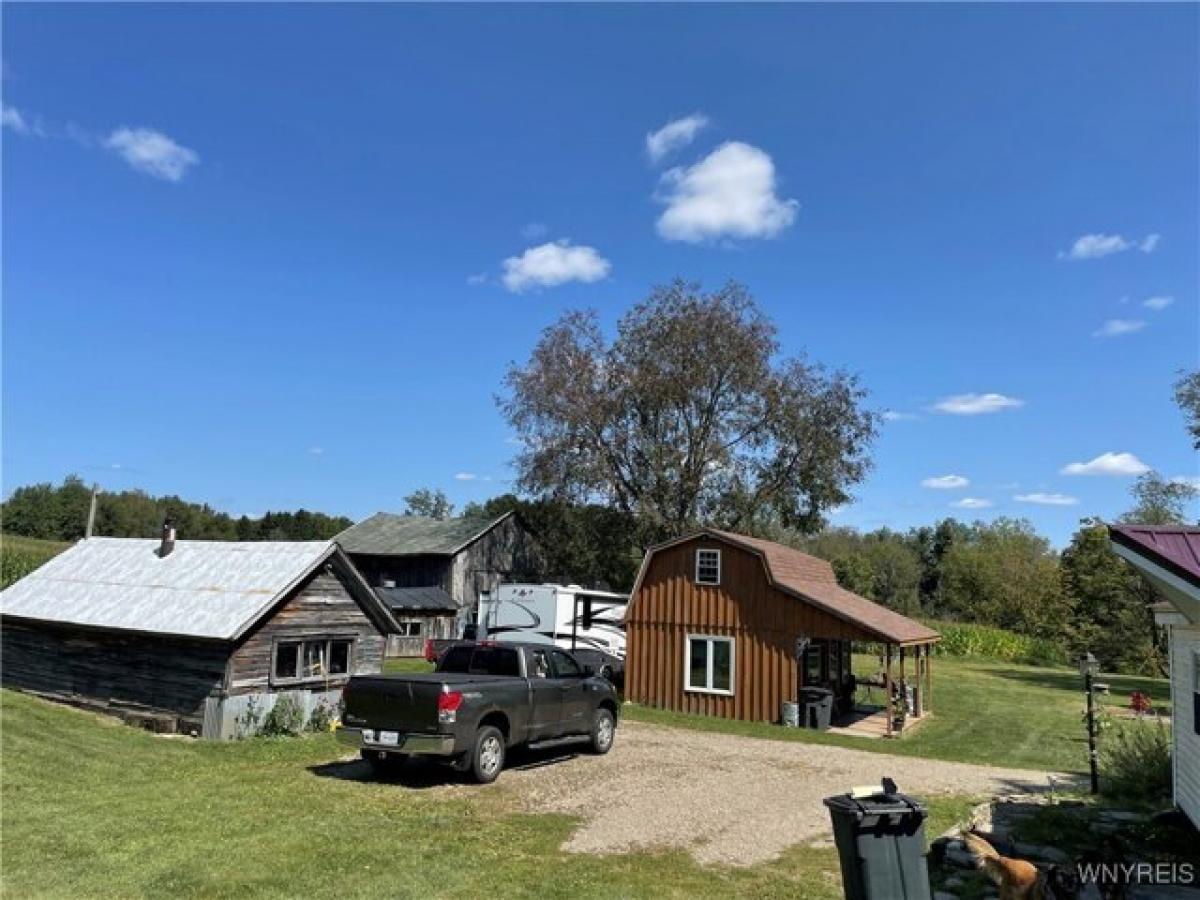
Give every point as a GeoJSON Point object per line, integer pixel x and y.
{"type": "Point", "coordinates": [311, 658]}
{"type": "Point", "coordinates": [708, 664]}
{"type": "Point", "coordinates": [409, 628]}
{"type": "Point", "coordinates": [708, 567]}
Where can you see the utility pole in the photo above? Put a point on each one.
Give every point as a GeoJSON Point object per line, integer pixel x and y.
{"type": "Point", "coordinates": [91, 520]}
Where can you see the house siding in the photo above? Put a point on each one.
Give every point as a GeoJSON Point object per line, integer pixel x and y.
{"type": "Point", "coordinates": [322, 606]}
{"type": "Point", "coordinates": [1185, 681]}
{"type": "Point", "coordinates": [117, 672]}
{"type": "Point", "coordinates": [763, 621]}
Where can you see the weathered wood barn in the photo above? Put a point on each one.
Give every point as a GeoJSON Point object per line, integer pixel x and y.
{"type": "Point", "coordinates": [1169, 558]}
{"type": "Point", "coordinates": [430, 572]}
{"type": "Point", "coordinates": [194, 636]}
{"type": "Point", "coordinates": [727, 625]}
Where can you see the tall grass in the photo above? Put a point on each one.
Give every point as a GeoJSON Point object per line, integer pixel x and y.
{"type": "Point", "coordinates": [989, 642]}
{"type": "Point", "coordinates": [21, 555]}
{"type": "Point", "coordinates": [1135, 759]}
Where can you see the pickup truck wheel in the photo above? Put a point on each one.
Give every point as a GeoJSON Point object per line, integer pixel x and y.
{"type": "Point", "coordinates": [487, 759]}
{"type": "Point", "coordinates": [604, 729]}
{"type": "Point", "coordinates": [385, 763]}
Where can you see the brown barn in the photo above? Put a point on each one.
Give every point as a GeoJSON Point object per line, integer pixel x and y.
{"type": "Point", "coordinates": [195, 636]}
{"type": "Point", "coordinates": [722, 624]}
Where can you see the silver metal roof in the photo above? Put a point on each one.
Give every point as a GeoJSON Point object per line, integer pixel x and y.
{"type": "Point", "coordinates": [205, 589]}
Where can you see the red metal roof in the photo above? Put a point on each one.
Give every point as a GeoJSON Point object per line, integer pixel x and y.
{"type": "Point", "coordinates": [1175, 547]}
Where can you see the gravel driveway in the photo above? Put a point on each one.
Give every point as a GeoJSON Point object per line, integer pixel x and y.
{"type": "Point", "coordinates": [727, 799]}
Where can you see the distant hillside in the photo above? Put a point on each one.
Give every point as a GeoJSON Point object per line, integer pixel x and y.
{"type": "Point", "coordinates": [60, 514]}
{"type": "Point", "coordinates": [21, 555]}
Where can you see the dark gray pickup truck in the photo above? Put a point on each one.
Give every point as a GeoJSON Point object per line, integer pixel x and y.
{"type": "Point", "coordinates": [482, 700]}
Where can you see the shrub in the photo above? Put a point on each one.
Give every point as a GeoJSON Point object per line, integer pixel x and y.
{"type": "Point", "coordinates": [286, 717]}
{"type": "Point", "coordinates": [321, 718]}
{"type": "Point", "coordinates": [1135, 758]}
{"type": "Point", "coordinates": [969, 639]}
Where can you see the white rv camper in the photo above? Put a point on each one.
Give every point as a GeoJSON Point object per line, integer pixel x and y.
{"type": "Point", "coordinates": [589, 623]}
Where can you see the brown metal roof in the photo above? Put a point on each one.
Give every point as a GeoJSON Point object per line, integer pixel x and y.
{"type": "Point", "coordinates": [813, 581]}
{"type": "Point", "coordinates": [1177, 548]}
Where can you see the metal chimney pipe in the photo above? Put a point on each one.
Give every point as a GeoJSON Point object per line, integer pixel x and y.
{"type": "Point", "coordinates": [168, 536]}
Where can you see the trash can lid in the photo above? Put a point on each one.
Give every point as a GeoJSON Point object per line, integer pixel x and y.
{"type": "Point", "coordinates": [817, 691]}
{"type": "Point", "coordinates": [881, 804]}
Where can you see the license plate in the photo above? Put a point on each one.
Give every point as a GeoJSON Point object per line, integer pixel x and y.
{"type": "Point", "coordinates": [389, 738]}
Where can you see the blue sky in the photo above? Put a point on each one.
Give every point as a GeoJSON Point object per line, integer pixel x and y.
{"type": "Point", "coordinates": [257, 255]}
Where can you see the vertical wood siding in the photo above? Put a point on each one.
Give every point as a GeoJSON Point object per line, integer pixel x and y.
{"type": "Point", "coordinates": [763, 621]}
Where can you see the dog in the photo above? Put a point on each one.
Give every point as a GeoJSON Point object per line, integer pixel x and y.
{"type": "Point", "coordinates": [1019, 879]}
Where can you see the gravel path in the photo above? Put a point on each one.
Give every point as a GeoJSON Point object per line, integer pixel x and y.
{"type": "Point", "coordinates": [727, 799]}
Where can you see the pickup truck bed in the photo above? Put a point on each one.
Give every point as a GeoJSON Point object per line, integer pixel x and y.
{"type": "Point", "coordinates": [483, 700]}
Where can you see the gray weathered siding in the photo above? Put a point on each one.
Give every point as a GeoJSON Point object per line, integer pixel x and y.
{"type": "Point", "coordinates": [117, 672]}
{"type": "Point", "coordinates": [323, 606]}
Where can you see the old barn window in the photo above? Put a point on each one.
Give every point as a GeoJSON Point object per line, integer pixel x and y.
{"type": "Point", "coordinates": [410, 629]}
{"type": "Point", "coordinates": [708, 666]}
{"type": "Point", "coordinates": [311, 659]}
{"type": "Point", "coordinates": [708, 567]}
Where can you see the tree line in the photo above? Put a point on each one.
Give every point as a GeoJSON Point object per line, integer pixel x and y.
{"type": "Point", "coordinates": [690, 415]}
{"type": "Point", "coordinates": [60, 513]}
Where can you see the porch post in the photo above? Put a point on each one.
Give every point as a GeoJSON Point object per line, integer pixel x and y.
{"type": "Point", "coordinates": [918, 686]}
{"type": "Point", "coordinates": [887, 689]}
{"type": "Point", "coordinates": [928, 677]}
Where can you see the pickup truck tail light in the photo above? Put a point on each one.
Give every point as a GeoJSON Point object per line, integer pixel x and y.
{"type": "Point", "coordinates": [448, 704]}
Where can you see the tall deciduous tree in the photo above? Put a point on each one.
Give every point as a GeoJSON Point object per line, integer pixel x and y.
{"type": "Point", "coordinates": [1187, 395]}
{"type": "Point", "coordinates": [1158, 501]}
{"type": "Point", "coordinates": [433, 504]}
{"type": "Point", "coordinates": [1005, 574]}
{"type": "Point", "coordinates": [687, 416]}
{"type": "Point", "coordinates": [1111, 614]}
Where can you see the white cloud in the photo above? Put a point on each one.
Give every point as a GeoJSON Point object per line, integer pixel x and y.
{"type": "Point", "coordinates": [533, 230]}
{"type": "Point", "coordinates": [553, 264]}
{"type": "Point", "coordinates": [1158, 304]}
{"type": "Point", "coordinates": [1047, 499]}
{"type": "Point", "coordinates": [728, 194]}
{"type": "Point", "coordinates": [478, 278]}
{"type": "Point", "coordinates": [892, 415]}
{"type": "Point", "coordinates": [465, 476]}
{"type": "Point", "coordinates": [1095, 246]}
{"type": "Point", "coordinates": [945, 482]}
{"type": "Point", "coordinates": [316, 451]}
{"type": "Point", "coordinates": [976, 404]}
{"type": "Point", "coordinates": [1108, 464]}
{"type": "Point", "coordinates": [674, 135]}
{"type": "Point", "coordinates": [1118, 327]}
{"type": "Point", "coordinates": [972, 503]}
{"type": "Point", "coordinates": [10, 117]}
{"type": "Point", "coordinates": [1192, 481]}
{"type": "Point", "coordinates": [152, 152]}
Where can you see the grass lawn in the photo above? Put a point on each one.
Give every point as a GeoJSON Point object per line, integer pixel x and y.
{"type": "Point", "coordinates": [95, 808]}
{"type": "Point", "coordinates": [1002, 714]}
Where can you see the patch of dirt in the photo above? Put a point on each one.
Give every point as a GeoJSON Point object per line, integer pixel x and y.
{"type": "Point", "coordinates": [726, 799]}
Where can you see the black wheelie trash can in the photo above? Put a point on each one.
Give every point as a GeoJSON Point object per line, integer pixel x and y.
{"type": "Point", "coordinates": [880, 839]}
{"type": "Point", "coordinates": [816, 708]}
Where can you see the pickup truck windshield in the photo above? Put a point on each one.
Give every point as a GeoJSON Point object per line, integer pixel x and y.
{"type": "Point", "coordinates": [481, 661]}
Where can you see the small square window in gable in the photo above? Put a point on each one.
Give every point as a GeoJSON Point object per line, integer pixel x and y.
{"type": "Point", "coordinates": [708, 566]}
